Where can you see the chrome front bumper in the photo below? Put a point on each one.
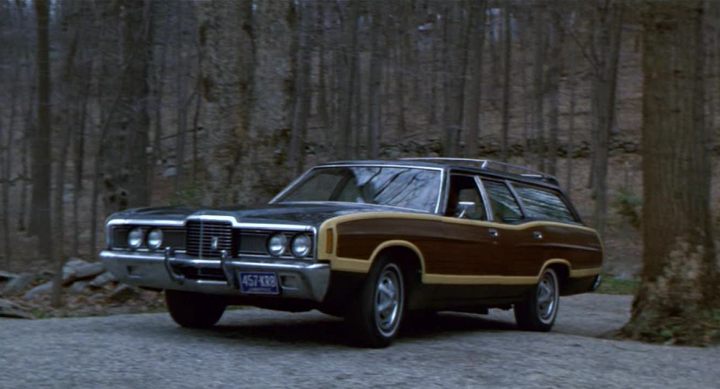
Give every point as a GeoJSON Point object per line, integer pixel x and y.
{"type": "Point", "coordinates": [297, 279]}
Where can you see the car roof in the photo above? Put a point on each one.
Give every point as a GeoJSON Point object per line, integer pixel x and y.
{"type": "Point", "coordinates": [475, 166]}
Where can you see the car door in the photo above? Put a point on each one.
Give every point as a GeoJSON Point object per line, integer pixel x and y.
{"type": "Point", "coordinates": [471, 244]}
{"type": "Point", "coordinates": [515, 255]}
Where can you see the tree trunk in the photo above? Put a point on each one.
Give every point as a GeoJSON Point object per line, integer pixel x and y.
{"type": "Point", "coordinates": [301, 95]}
{"type": "Point", "coordinates": [553, 89]}
{"type": "Point", "coordinates": [678, 289]}
{"type": "Point", "coordinates": [225, 31]}
{"type": "Point", "coordinates": [572, 84]}
{"type": "Point", "coordinates": [538, 133]}
{"type": "Point", "coordinates": [506, 94]}
{"type": "Point", "coordinates": [158, 71]}
{"type": "Point", "coordinates": [322, 99]}
{"type": "Point", "coordinates": [607, 53]}
{"type": "Point", "coordinates": [125, 170]}
{"type": "Point", "coordinates": [456, 62]}
{"type": "Point", "coordinates": [7, 166]}
{"type": "Point", "coordinates": [79, 158]}
{"type": "Point", "coordinates": [274, 29]}
{"type": "Point", "coordinates": [347, 80]}
{"type": "Point", "coordinates": [375, 81]}
{"type": "Point", "coordinates": [40, 217]}
{"type": "Point", "coordinates": [474, 83]}
{"type": "Point", "coordinates": [181, 100]}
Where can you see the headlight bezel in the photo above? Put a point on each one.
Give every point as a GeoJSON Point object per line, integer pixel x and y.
{"type": "Point", "coordinates": [308, 244]}
{"type": "Point", "coordinates": [149, 239]}
{"type": "Point", "coordinates": [136, 234]}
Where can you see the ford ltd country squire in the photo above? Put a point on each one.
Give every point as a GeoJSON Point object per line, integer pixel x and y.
{"type": "Point", "coordinates": [370, 241]}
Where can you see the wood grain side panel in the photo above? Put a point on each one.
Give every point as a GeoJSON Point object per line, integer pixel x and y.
{"type": "Point", "coordinates": [447, 248]}
{"type": "Point", "coordinates": [524, 254]}
{"type": "Point", "coordinates": [466, 249]}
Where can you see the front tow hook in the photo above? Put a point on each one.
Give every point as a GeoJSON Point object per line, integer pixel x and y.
{"type": "Point", "coordinates": [229, 274]}
{"type": "Point", "coordinates": [178, 278]}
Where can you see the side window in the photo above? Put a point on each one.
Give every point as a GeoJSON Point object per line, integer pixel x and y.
{"type": "Point", "coordinates": [464, 200]}
{"type": "Point", "coordinates": [543, 204]}
{"type": "Point", "coordinates": [504, 207]}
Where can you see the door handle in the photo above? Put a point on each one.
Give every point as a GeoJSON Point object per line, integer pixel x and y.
{"type": "Point", "coordinates": [493, 233]}
{"type": "Point", "coordinates": [537, 235]}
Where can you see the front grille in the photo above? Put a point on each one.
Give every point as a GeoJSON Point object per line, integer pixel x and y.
{"type": "Point", "coordinates": [201, 234]}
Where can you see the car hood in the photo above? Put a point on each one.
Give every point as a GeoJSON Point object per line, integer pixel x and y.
{"type": "Point", "coordinates": [301, 214]}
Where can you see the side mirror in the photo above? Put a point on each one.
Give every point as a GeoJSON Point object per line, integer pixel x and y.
{"type": "Point", "coordinates": [464, 208]}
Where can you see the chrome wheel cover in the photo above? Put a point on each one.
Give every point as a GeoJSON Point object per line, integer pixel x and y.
{"type": "Point", "coordinates": [388, 301]}
{"type": "Point", "coordinates": [547, 297]}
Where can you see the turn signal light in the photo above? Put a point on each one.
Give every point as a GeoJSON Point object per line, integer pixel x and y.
{"type": "Point", "coordinates": [329, 243]}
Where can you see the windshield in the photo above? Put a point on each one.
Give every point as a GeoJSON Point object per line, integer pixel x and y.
{"type": "Point", "coordinates": [411, 188]}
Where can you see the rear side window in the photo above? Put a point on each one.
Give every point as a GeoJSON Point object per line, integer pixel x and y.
{"type": "Point", "coordinates": [504, 207]}
{"type": "Point", "coordinates": [543, 204]}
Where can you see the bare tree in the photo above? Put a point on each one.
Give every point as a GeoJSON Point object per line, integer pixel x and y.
{"type": "Point", "coordinates": [40, 218]}
{"type": "Point", "coordinates": [455, 56]}
{"type": "Point", "coordinates": [474, 83]}
{"type": "Point", "coordinates": [603, 52]}
{"type": "Point", "coordinates": [506, 93]}
{"type": "Point", "coordinates": [680, 274]}
{"type": "Point", "coordinates": [182, 100]}
{"type": "Point", "coordinates": [302, 95]}
{"type": "Point", "coordinates": [126, 162]}
{"type": "Point", "coordinates": [554, 72]}
{"type": "Point", "coordinates": [375, 80]}
{"type": "Point", "coordinates": [226, 71]}
{"type": "Point", "coordinates": [349, 61]}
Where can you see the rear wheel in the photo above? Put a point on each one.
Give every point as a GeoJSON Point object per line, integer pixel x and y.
{"type": "Point", "coordinates": [378, 312]}
{"type": "Point", "coordinates": [194, 310]}
{"type": "Point", "coordinates": [539, 310]}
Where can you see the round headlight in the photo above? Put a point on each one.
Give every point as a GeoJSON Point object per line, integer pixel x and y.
{"type": "Point", "coordinates": [135, 238]}
{"type": "Point", "coordinates": [301, 245]}
{"type": "Point", "coordinates": [155, 238]}
{"type": "Point", "coordinates": [277, 244]}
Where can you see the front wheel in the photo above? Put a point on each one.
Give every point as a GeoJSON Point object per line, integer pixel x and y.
{"type": "Point", "coordinates": [378, 311]}
{"type": "Point", "coordinates": [194, 310]}
{"type": "Point", "coordinates": [539, 310]}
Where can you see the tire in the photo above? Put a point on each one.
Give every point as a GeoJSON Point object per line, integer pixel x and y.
{"type": "Point", "coordinates": [194, 310]}
{"type": "Point", "coordinates": [539, 310]}
{"type": "Point", "coordinates": [377, 314]}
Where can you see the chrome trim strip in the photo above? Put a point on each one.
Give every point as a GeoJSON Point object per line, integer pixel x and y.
{"type": "Point", "coordinates": [487, 164]}
{"type": "Point", "coordinates": [145, 250]}
{"type": "Point", "coordinates": [220, 218]}
{"type": "Point", "coordinates": [147, 222]}
{"type": "Point", "coordinates": [348, 202]}
{"type": "Point", "coordinates": [286, 256]}
{"type": "Point", "coordinates": [297, 180]}
{"type": "Point", "coordinates": [260, 226]}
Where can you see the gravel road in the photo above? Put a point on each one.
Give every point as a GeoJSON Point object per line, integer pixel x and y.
{"type": "Point", "coordinates": [256, 348]}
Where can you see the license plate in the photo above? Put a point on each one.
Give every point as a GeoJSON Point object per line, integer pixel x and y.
{"type": "Point", "coordinates": [259, 283]}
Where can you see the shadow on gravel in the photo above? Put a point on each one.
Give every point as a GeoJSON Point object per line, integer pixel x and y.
{"type": "Point", "coordinates": [329, 331]}
{"type": "Point", "coordinates": [444, 323]}
{"type": "Point", "coordinates": [332, 331]}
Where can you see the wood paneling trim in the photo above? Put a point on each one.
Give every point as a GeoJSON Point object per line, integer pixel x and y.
{"type": "Point", "coordinates": [363, 264]}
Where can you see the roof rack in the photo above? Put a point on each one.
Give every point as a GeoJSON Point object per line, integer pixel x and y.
{"type": "Point", "coordinates": [488, 164]}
